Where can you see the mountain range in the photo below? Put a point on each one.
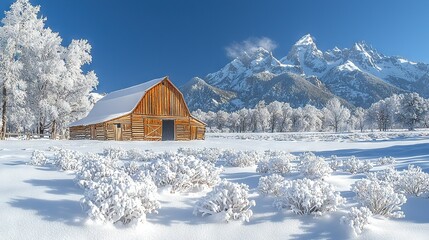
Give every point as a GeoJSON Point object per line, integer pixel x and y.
{"type": "Point", "coordinates": [358, 76]}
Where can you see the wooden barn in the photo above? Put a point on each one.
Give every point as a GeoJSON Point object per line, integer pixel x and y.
{"type": "Point", "coordinates": [154, 111]}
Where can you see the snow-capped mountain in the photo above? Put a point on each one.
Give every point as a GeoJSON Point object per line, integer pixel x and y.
{"type": "Point", "coordinates": [201, 95]}
{"type": "Point", "coordinates": [358, 75]}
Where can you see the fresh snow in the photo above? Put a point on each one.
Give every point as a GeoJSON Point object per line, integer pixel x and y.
{"type": "Point", "coordinates": [116, 104]}
{"type": "Point", "coordinates": [348, 66]}
{"type": "Point", "coordinates": [305, 40]}
{"type": "Point", "coordinates": [39, 202]}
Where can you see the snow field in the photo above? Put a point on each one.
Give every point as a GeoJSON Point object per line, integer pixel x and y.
{"type": "Point", "coordinates": [175, 217]}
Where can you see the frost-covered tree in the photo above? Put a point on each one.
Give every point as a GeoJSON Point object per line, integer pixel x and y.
{"type": "Point", "coordinates": [234, 122]}
{"type": "Point", "coordinates": [297, 120]}
{"type": "Point", "coordinates": [244, 119]}
{"type": "Point", "coordinates": [412, 109]}
{"type": "Point", "coordinates": [336, 115]}
{"type": "Point", "coordinates": [210, 119]}
{"type": "Point", "coordinates": [261, 116]}
{"type": "Point", "coordinates": [286, 115]}
{"type": "Point", "coordinates": [12, 87]}
{"type": "Point", "coordinates": [383, 112]}
{"type": "Point", "coordinates": [221, 119]}
{"type": "Point", "coordinates": [407, 110]}
{"type": "Point", "coordinates": [19, 28]}
{"type": "Point", "coordinates": [275, 114]}
{"type": "Point", "coordinates": [44, 78]}
{"type": "Point", "coordinates": [359, 118]}
{"type": "Point", "coordinates": [312, 118]}
{"type": "Point", "coordinates": [72, 91]}
{"type": "Point", "coordinates": [199, 114]}
{"type": "Point", "coordinates": [40, 53]}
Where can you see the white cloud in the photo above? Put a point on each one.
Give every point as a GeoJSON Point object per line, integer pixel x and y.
{"type": "Point", "coordinates": [250, 45]}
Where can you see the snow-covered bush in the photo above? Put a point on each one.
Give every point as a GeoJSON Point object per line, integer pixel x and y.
{"type": "Point", "coordinates": [241, 158]}
{"type": "Point", "coordinates": [94, 168]}
{"type": "Point", "coordinates": [312, 166]}
{"type": "Point", "coordinates": [354, 165]}
{"type": "Point", "coordinates": [140, 156]}
{"type": "Point", "coordinates": [379, 197]}
{"type": "Point", "coordinates": [131, 168]}
{"type": "Point", "coordinates": [386, 161]}
{"type": "Point", "coordinates": [67, 160]}
{"type": "Point", "coordinates": [115, 153]}
{"type": "Point", "coordinates": [335, 163]}
{"type": "Point", "coordinates": [271, 185]}
{"type": "Point", "coordinates": [205, 154]}
{"type": "Point", "coordinates": [357, 218]}
{"type": "Point", "coordinates": [135, 155]}
{"type": "Point", "coordinates": [414, 181]}
{"type": "Point", "coordinates": [306, 196]}
{"type": "Point", "coordinates": [229, 199]}
{"type": "Point", "coordinates": [183, 173]}
{"type": "Point", "coordinates": [38, 158]}
{"type": "Point", "coordinates": [280, 164]}
{"type": "Point", "coordinates": [278, 154]}
{"type": "Point", "coordinates": [53, 148]}
{"type": "Point", "coordinates": [117, 198]}
{"type": "Point", "coordinates": [388, 175]}
{"type": "Point", "coordinates": [263, 166]}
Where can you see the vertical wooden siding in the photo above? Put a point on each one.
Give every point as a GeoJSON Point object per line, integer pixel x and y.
{"type": "Point", "coordinates": [162, 100]}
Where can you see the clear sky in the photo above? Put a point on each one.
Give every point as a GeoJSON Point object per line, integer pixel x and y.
{"type": "Point", "coordinates": [136, 40]}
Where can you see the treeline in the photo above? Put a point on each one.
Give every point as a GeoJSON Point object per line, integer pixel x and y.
{"type": "Point", "coordinates": [398, 111]}
{"type": "Point", "coordinates": [42, 85]}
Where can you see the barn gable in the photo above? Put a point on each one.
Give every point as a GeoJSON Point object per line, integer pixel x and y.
{"type": "Point", "coordinates": [154, 110]}
{"type": "Point", "coordinates": [164, 99]}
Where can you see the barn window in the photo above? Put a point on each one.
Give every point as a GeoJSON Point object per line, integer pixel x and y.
{"type": "Point", "coordinates": [118, 125]}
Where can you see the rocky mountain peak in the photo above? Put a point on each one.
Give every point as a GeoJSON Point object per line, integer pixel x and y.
{"type": "Point", "coordinates": [360, 75]}
{"type": "Point", "coordinates": [305, 41]}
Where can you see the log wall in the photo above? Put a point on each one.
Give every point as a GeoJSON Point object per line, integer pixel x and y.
{"type": "Point", "coordinates": [124, 129]}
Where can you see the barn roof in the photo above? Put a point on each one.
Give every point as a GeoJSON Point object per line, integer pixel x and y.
{"type": "Point", "coordinates": [117, 104]}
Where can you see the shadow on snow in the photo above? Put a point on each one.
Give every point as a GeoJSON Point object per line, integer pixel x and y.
{"type": "Point", "coordinates": [66, 211]}
{"type": "Point", "coordinates": [57, 186]}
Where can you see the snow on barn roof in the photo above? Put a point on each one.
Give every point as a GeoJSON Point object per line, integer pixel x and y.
{"type": "Point", "coordinates": [116, 104]}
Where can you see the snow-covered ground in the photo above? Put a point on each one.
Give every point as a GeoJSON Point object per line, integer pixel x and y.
{"type": "Point", "coordinates": [44, 203]}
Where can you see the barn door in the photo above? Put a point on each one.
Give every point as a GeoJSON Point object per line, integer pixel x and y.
{"type": "Point", "coordinates": [153, 129]}
{"type": "Point", "coordinates": [118, 132]}
{"type": "Point", "coordinates": [93, 132]}
{"type": "Point", "coordinates": [193, 132]}
{"type": "Point", "coordinates": [167, 130]}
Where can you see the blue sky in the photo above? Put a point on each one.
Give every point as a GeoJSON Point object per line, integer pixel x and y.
{"type": "Point", "coordinates": [134, 41]}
